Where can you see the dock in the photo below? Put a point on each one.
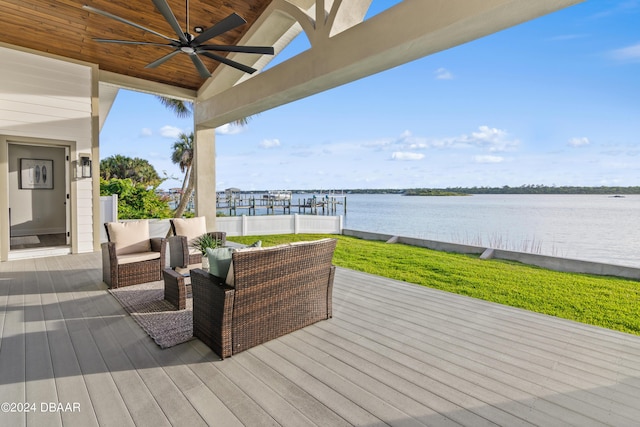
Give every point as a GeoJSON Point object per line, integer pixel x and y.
{"type": "Point", "coordinates": [268, 204]}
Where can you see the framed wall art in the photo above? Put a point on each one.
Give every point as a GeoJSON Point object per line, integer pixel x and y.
{"type": "Point", "coordinates": [36, 174]}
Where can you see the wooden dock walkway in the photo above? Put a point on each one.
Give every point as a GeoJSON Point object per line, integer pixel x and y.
{"type": "Point", "coordinates": [248, 205]}
{"type": "Point", "coordinates": [394, 354]}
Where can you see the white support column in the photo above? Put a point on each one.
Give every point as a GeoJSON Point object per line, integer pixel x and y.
{"type": "Point", "coordinates": [205, 175]}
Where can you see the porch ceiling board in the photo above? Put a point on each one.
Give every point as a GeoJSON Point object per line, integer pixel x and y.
{"type": "Point", "coordinates": [64, 28]}
{"type": "Point", "coordinates": [405, 32]}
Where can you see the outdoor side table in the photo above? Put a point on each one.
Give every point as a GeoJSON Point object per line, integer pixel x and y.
{"type": "Point", "coordinates": [176, 288]}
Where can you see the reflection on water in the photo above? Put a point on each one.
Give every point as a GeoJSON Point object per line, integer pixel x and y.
{"type": "Point", "coordinates": [589, 227]}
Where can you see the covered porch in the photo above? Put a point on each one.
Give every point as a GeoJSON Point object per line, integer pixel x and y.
{"type": "Point", "coordinates": [393, 354]}
{"type": "Point", "coordinates": [61, 79]}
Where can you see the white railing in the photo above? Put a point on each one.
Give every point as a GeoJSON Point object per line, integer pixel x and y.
{"type": "Point", "coordinates": [236, 225]}
{"type": "Point", "coordinates": [279, 224]}
{"type": "Point", "coordinates": [108, 213]}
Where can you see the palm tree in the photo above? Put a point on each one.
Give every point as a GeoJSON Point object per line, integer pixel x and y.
{"type": "Point", "coordinates": [122, 167]}
{"type": "Point", "coordinates": [182, 155]}
{"type": "Point", "coordinates": [181, 108]}
{"type": "Point", "coordinates": [183, 151]}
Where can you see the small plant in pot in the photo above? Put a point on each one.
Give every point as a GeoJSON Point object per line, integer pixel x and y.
{"type": "Point", "coordinates": [201, 243]}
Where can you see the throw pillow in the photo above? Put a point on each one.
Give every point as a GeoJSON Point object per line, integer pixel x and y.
{"type": "Point", "coordinates": [219, 261]}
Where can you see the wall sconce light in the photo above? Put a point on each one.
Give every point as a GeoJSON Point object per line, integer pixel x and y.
{"type": "Point", "coordinates": [85, 166]}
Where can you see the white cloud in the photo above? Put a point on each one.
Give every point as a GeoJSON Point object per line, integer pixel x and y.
{"type": "Point", "coordinates": [229, 129]}
{"type": "Point", "coordinates": [411, 142]}
{"type": "Point", "coordinates": [485, 138]}
{"type": "Point", "coordinates": [443, 74]}
{"type": "Point", "coordinates": [579, 142]}
{"type": "Point", "coordinates": [492, 138]}
{"type": "Point", "coordinates": [270, 143]}
{"type": "Point", "coordinates": [170, 131]}
{"type": "Point", "coordinates": [629, 53]}
{"type": "Point", "coordinates": [146, 132]}
{"type": "Point", "coordinates": [404, 155]}
{"type": "Point", "coordinates": [489, 159]}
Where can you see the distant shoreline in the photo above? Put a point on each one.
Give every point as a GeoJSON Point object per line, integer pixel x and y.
{"type": "Point", "coordinates": [465, 191]}
{"type": "Point", "coordinates": [433, 193]}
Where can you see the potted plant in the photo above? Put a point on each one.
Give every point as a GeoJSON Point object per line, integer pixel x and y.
{"type": "Point", "coordinates": [201, 243]}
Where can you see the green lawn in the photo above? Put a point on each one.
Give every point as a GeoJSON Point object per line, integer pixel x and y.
{"type": "Point", "coordinates": [609, 302]}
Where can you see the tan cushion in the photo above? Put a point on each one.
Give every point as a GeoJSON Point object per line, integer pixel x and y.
{"type": "Point", "coordinates": [304, 242]}
{"type": "Point", "coordinates": [190, 227]}
{"type": "Point", "coordinates": [138, 257]}
{"type": "Point", "coordinates": [130, 237]}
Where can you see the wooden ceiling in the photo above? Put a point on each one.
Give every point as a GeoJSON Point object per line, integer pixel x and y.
{"type": "Point", "coordinates": [64, 28]}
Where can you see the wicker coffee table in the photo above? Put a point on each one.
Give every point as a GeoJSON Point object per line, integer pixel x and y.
{"type": "Point", "coordinates": [176, 288]}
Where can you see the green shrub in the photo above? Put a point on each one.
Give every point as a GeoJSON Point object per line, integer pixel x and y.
{"type": "Point", "coordinates": [135, 200]}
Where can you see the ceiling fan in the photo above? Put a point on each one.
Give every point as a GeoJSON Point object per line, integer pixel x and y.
{"type": "Point", "coordinates": [186, 42]}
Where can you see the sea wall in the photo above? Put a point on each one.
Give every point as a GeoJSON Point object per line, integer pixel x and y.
{"type": "Point", "coordinates": [549, 262]}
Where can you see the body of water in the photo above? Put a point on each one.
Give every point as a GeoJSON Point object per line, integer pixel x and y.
{"type": "Point", "coordinates": [588, 227]}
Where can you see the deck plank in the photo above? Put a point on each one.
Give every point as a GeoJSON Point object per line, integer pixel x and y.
{"type": "Point", "coordinates": [568, 360]}
{"type": "Point", "coordinates": [459, 354]}
{"type": "Point", "coordinates": [344, 407]}
{"type": "Point", "coordinates": [12, 349]}
{"type": "Point", "coordinates": [106, 400]}
{"type": "Point", "coordinates": [263, 367]}
{"type": "Point", "coordinates": [210, 369]}
{"type": "Point", "coordinates": [393, 354]}
{"type": "Point", "coordinates": [155, 389]}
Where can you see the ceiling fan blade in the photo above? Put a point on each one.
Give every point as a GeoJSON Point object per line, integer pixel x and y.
{"type": "Point", "coordinates": [229, 23]}
{"type": "Point", "coordinates": [133, 42]}
{"type": "Point", "coordinates": [202, 69]}
{"type": "Point", "coordinates": [160, 61]}
{"type": "Point", "coordinates": [229, 62]}
{"type": "Point", "coordinates": [166, 11]}
{"type": "Point", "coordinates": [264, 50]}
{"type": "Point", "coordinates": [124, 21]}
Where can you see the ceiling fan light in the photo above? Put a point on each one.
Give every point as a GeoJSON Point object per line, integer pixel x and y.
{"type": "Point", "coordinates": [188, 49]}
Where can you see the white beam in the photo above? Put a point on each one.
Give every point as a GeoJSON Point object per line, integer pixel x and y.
{"type": "Point", "coordinates": [146, 86]}
{"type": "Point", "coordinates": [107, 96]}
{"type": "Point", "coordinates": [408, 31]}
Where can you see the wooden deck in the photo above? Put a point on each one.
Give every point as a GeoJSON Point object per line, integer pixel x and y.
{"type": "Point", "coordinates": [393, 354]}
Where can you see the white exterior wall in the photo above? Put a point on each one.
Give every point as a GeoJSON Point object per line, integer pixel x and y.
{"type": "Point", "coordinates": [49, 101]}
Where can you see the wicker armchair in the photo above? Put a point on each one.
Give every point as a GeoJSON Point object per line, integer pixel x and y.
{"type": "Point", "coordinates": [276, 291]}
{"type": "Point", "coordinates": [185, 231]}
{"type": "Point", "coordinates": [130, 257]}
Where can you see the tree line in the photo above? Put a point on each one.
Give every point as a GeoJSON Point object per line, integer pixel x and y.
{"type": "Point", "coordinates": [523, 189]}
{"type": "Point", "coordinates": [544, 189]}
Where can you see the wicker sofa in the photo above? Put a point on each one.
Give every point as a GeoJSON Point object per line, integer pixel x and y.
{"type": "Point", "coordinates": [275, 291]}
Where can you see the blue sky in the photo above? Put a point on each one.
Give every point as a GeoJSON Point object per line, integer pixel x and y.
{"type": "Point", "coordinates": [554, 101]}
